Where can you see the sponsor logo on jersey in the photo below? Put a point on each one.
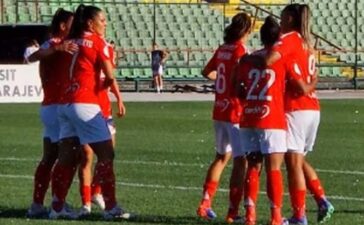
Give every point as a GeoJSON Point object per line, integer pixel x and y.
{"type": "Point", "coordinates": [259, 111]}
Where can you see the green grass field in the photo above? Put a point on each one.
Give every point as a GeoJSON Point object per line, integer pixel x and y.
{"type": "Point", "coordinates": [163, 151]}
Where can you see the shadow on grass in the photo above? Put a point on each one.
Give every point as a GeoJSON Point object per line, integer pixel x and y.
{"type": "Point", "coordinates": [20, 213]}
{"type": "Point", "coordinates": [343, 211]}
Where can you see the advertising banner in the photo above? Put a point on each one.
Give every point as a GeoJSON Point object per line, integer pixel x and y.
{"type": "Point", "coordinates": [20, 83]}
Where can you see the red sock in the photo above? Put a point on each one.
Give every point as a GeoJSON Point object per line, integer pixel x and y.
{"type": "Point", "coordinates": [95, 186]}
{"type": "Point", "coordinates": [275, 193]}
{"type": "Point", "coordinates": [316, 189]}
{"type": "Point", "coordinates": [298, 198]}
{"type": "Point", "coordinates": [105, 171]}
{"type": "Point", "coordinates": [85, 192]}
{"type": "Point", "coordinates": [209, 190]}
{"type": "Point", "coordinates": [235, 196]}
{"type": "Point", "coordinates": [42, 178]}
{"type": "Point", "coordinates": [251, 193]}
{"type": "Point", "coordinates": [62, 177]}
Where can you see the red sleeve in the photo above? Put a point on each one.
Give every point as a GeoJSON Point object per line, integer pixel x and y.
{"type": "Point", "coordinates": [294, 71]}
{"type": "Point", "coordinates": [103, 52]}
{"type": "Point", "coordinates": [287, 45]}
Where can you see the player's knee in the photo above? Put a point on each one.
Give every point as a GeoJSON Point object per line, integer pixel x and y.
{"type": "Point", "coordinates": [223, 158]}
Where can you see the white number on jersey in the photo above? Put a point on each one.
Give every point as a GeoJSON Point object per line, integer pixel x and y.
{"type": "Point", "coordinates": [311, 72]}
{"type": "Point", "coordinates": [72, 66]}
{"type": "Point", "coordinates": [257, 75]}
{"type": "Point", "coordinates": [221, 79]}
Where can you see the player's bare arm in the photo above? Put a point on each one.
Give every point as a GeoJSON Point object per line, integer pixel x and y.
{"type": "Point", "coordinates": [67, 46]}
{"type": "Point", "coordinates": [209, 73]}
{"type": "Point", "coordinates": [305, 88]}
{"type": "Point", "coordinates": [119, 99]}
{"type": "Point", "coordinates": [272, 57]}
{"type": "Point", "coordinates": [108, 70]}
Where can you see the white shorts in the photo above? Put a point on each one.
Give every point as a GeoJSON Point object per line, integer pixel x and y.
{"type": "Point", "coordinates": [111, 125]}
{"type": "Point", "coordinates": [227, 138]}
{"type": "Point", "coordinates": [48, 116]}
{"type": "Point", "coordinates": [302, 130]}
{"type": "Point", "coordinates": [84, 121]}
{"type": "Point", "coordinates": [266, 141]}
{"type": "Point", "coordinates": [158, 71]}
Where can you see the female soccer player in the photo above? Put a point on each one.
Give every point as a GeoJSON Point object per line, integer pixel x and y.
{"type": "Point", "coordinates": [80, 115]}
{"type": "Point", "coordinates": [303, 117]}
{"type": "Point", "coordinates": [90, 188]}
{"type": "Point", "coordinates": [226, 116]}
{"type": "Point", "coordinates": [50, 78]}
{"type": "Point", "coordinates": [263, 125]}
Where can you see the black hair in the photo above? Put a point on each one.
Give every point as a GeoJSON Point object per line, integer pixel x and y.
{"type": "Point", "coordinates": [61, 16]}
{"type": "Point", "coordinates": [239, 26]}
{"type": "Point", "coordinates": [269, 32]}
{"type": "Point", "coordinates": [82, 15]}
{"type": "Point", "coordinates": [32, 42]}
{"type": "Point", "coordinates": [300, 14]}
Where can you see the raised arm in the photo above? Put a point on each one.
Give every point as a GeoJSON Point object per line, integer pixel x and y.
{"type": "Point", "coordinates": [67, 46]}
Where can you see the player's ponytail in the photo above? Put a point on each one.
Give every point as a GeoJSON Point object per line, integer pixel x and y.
{"type": "Point", "coordinates": [60, 16]}
{"type": "Point", "coordinates": [300, 17]}
{"type": "Point", "coordinates": [269, 32]}
{"type": "Point", "coordinates": [305, 24]}
{"type": "Point", "coordinates": [240, 25]}
{"type": "Point", "coordinates": [82, 16]}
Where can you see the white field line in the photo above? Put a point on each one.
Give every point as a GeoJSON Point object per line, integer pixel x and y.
{"type": "Point", "coordinates": [181, 188]}
{"type": "Point", "coordinates": [168, 163]}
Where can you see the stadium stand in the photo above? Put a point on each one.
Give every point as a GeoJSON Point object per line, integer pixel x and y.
{"type": "Point", "coordinates": [191, 30]}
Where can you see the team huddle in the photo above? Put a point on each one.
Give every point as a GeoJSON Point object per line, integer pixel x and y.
{"type": "Point", "coordinates": [76, 70]}
{"type": "Point", "coordinates": [265, 110]}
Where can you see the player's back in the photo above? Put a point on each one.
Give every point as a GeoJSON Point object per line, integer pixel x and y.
{"type": "Point", "coordinates": [85, 68]}
{"type": "Point", "coordinates": [226, 57]}
{"type": "Point", "coordinates": [262, 95]}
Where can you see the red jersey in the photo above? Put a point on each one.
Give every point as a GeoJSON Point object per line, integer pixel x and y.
{"type": "Point", "coordinates": [104, 101]}
{"type": "Point", "coordinates": [293, 99]}
{"type": "Point", "coordinates": [226, 107]}
{"type": "Point", "coordinates": [263, 94]}
{"type": "Point", "coordinates": [51, 74]}
{"type": "Point", "coordinates": [85, 69]}
{"type": "Point", "coordinates": [289, 45]}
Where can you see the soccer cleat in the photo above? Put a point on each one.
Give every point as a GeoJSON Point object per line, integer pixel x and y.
{"type": "Point", "coordinates": [284, 221]}
{"type": "Point", "coordinates": [36, 211]}
{"type": "Point", "coordinates": [84, 211]}
{"type": "Point", "coordinates": [234, 219]}
{"type": "Point", "coordinates": [65, 213]}
{"type": "Point", "coordinates": [206, 213]}
{"type": "Point", "coordinates": [99, 201]}
{"type": "Point", "coordinates": [325, 210]}
{"type": "Point", "coordinates": [295, 221]}
{"type": "Point", "coordinates": [116, 213]}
